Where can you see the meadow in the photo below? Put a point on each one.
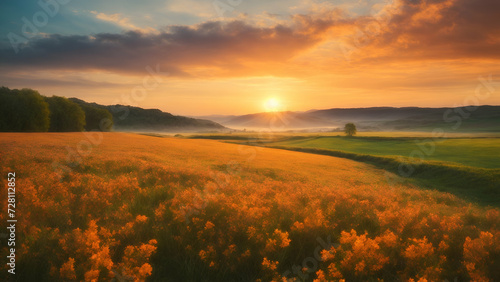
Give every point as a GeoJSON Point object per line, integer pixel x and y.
{"type": "Point", "coordinates": [470, 149]}
{"type": "Point", "coordinates": [477, 152]}
{"type": "Point", "coordinates": [465, 164]}
{"type": "Point", "coordinates": [136, 207]}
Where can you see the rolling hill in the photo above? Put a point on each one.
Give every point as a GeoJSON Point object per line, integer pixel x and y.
{"type": "Point", "coordinates": [461, 119]}
{"type": "Point", "coordinates": [129, 118]}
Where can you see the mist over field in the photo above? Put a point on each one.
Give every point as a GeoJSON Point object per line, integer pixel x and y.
{"type": "Point", "coordinates": [485, 119]}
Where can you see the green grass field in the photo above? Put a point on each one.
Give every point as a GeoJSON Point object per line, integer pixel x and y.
{"type": "Point", "coordinates": [480, 150]}
{"type": "Point", "coordinates": [477, 152]}
{"type": "Point", "coordinates": [467, 165]}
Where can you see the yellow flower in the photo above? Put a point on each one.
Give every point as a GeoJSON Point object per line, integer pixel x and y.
{"type": "Point", "coordinates": [209, 225]}
{"type": "Point", "coordinates": [145, 270]}
{"type": "Point", "coordinates": [141, 218]}
{"type": "Point", "coordinates": [283, 236]}
{"type": "Point", "coordinates": [67, 270]}
{"type": "Point", "coordinates": [269, 264]}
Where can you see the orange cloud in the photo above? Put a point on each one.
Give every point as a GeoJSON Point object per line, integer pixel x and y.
{"type": "Point", "coordinates": [437, 30]}
{"type": "Point", "coordinates": [120, 20]}
{"type": "Point", "coordinates": [181, 50]}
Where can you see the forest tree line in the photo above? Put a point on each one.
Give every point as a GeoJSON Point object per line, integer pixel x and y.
{"type": "Point", "coordinates": [25, 110]}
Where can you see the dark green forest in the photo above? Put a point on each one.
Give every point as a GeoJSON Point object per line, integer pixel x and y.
{"type": "Point", "coordinates": [26, 110]}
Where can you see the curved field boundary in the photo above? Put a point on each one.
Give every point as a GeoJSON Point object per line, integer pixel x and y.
{"type": "Point", "coordinates": [477, 184]}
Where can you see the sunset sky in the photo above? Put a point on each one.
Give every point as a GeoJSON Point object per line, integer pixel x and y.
{"type": "Point", "coordinates": [244, 56]}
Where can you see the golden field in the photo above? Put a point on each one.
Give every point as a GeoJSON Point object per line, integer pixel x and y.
{"type": "Point", "coordinates": [168, 209]}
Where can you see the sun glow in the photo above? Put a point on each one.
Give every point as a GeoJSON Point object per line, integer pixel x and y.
{"type": "Point", "coordinates": [273, 105]}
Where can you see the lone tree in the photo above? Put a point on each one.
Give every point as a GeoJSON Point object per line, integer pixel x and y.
{"type": "Point", "coordinates": [350, 129]}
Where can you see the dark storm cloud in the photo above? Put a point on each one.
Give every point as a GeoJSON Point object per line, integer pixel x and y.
{"type": "Point", "coordinates": [410, 30]}
{"type": "Point", "coordinates": [210, 44]}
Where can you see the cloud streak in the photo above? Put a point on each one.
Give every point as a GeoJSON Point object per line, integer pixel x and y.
{"type": "Point", "coordinates": [407, 30]}
{"type": "Point", "coordinates": [121, 21]}
{"type": "Point", "coordinates": [181, 49]}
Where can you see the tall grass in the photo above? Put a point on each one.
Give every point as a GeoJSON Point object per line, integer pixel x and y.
{"type": "Point", "coordinates": [477, 184]}
{"type": "Point", "coordinates": [167, 209]}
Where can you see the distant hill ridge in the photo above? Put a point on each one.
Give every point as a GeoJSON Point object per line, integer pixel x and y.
{"type": "Point", "coordinates": [129, 118]}
{"type": "Point", "coordinates": [467, 119]}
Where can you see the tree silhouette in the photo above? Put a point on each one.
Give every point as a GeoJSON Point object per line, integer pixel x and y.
{"type": "Point", "coordinates": [350, 129]}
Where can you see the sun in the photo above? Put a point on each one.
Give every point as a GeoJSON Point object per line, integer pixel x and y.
{"type": "Point", "coordinates": [272, 105]}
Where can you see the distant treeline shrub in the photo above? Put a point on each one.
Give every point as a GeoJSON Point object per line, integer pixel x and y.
{"type": "Point", "coordinates": [95, 116]}
{"type": "Point", "coordinates": [26, 110]}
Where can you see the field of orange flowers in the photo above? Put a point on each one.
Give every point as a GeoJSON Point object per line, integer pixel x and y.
{"type": "Point", "coordinates": [135, 207]}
